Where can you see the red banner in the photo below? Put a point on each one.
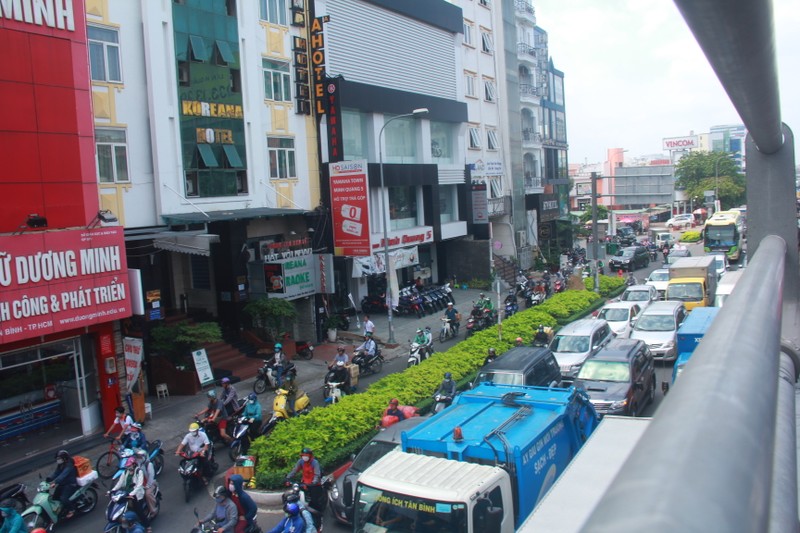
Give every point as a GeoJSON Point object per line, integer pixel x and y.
{"type": "Point", "coordinates": [60, 280]}
{"type": "Point", "coordinates": [350, 208]}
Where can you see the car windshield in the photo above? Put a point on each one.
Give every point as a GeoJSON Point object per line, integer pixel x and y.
{"type": "Point", "coordinates": [570, 343]}
{"type": "Point", "coordinates": [613, 314]}
{"type": "Point", "coordinates": [370, 453]}
{"type": "Point", "coordinates": [655, 323]}
{"type": "Point", "coordinates": [635, 296]}
{"type": "Point", "coordinates": [685, 291]}
{"type": "Point", "coordinates": [625, 253]}
{"type": "Point", "coordinates": [719, 262]}
{"type": "Point", "coordinates": [501, 378]}
{"type": "Point", "coordinates": [616, 371]}
{"type": "Point", "coordinates": [659, 276]}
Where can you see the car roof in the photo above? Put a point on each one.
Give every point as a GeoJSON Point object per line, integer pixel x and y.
{"type": "Point", "coordinates": [631, 248]}
{"type": "Point", "coordinates": [661, 271]}
{"type": "Point", "coordinates": [517, 359]}
{"type": "Point", "coordinates": [583, 326]}
{"type": "Point", "coordinates": [633, 288]}
{"type": "Point", "coordinates": [618, 350]}
{"type": "Point", "coordinates": [662, 307]}
{"type": "Point", "coordinates": [615, 305]}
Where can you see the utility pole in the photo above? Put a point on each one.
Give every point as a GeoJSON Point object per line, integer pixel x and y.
{"type": "Point", "coordinates": [595, 237]}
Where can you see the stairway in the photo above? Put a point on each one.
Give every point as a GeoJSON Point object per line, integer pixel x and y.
{"type": "Point", "coordinates": [506, 269]}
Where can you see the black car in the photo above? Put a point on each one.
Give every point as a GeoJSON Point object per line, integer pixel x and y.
{"type": "Point", "coordinates": [630, 258]}
{"type": "Point", "coordinates": [626, 236]}
{"type": "Point", "coordinates": [620, 379]}
{"type": "Point", "coordinates": [522, 365]}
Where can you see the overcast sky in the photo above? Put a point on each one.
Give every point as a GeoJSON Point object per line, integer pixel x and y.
{"type": "Point", "coordinates": [633, 74]}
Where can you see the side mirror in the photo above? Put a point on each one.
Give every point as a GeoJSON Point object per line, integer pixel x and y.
{"type": "Point", "coordinates": [665, 387]}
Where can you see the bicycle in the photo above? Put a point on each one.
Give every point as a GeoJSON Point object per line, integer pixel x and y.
{"type": "Point", "coordinates": [108, 463]}
{"type": "Point", "coordinates": [447, 331]}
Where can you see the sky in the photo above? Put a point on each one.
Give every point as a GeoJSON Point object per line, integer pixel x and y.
{"type": "Point", "coordinates": [634, 74]}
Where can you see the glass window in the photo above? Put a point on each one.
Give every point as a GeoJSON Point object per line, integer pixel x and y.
{"type": "Point", "coordinates": [354, 133]}
{"type": "Point", "coordinates": [469, 84]}
{"type": "Point", "coordinates": [468, 27]}
{"type": "Point", "coordinates": [487, 45]}
{"type": "Point", "coordinates": [401, 140]}
{"type": "Point", "coordinates": [281, 158]}
{"type": "Point", "coordinates": [492, 143]}
{"type": "Point", "coordinates": [474, 138]}
{"type": "Point", "coordinates": [489, 91]}
{"type": "Point", "coordinates": [561, 127]}
{"type": "Point", "coordinates": [104, 56]}
{"type": "Point", "coordinates": [277, 81]}
{"type": "Point", "coordinates": [448, 203]}
{"type": "Point", "coordinates": [112, 155]}
{"type": "Point", "coordinates": [273, 11]}
{"type": "Point", "coordinates": [442, 142]}
{"type": "Point", "coordinates": [402, 207]}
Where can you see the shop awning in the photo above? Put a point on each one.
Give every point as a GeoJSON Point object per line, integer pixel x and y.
{"type": "Point", "coordinates": [207, 155]}
{"type": "Point", "coordinates": [186, 242]}
{"type": "Point", "coordinates": [225, 52]}
{"type": "Point", "coordinates": [178, 219]}
{"type": "Point", "coordinates": [234, 161]}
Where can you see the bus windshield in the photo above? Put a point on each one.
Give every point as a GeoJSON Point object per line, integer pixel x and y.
{"type": "Point", "coordinates": [380, 510]}
{"type": "Point", "coordinates": [720, 236]}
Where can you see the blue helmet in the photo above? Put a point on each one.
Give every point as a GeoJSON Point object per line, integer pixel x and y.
{"type": "Point", "coordinates": [130, 517]}
{"type": "Point", "coordinates": [292, 509]}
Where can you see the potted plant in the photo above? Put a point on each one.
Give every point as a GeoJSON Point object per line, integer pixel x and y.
{"type": "Point", "coordinates": [269, 315]}
{"type": "Point", "coordinates": [330, 324]}
{"type": "Point", "coordinates": [177, 341]}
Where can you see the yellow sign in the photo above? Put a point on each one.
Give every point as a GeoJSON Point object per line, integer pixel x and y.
{"type": "Point", "coordinates": [212, 136]}
{"type": "Point", "coordinates": [193, 108]}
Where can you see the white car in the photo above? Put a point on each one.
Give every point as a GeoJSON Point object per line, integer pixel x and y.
{"type": "Point", "coordinates": [643, 295]}
{"type": "Point", "coordinates": [681, 221]}
{"type": "Point", "coordinates": [721, 264]}
{"type": "Point", "coordinates": [620, 317]}
{"type": "Point", "coordinates": [659, 278]}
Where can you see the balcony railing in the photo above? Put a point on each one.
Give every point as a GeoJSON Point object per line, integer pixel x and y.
{"type": "Point", "coordinates": [525, 8]}
{"type": "Point", "coordinates": [526, 89]}
{"type": "Point", "coordinates": [526, 50]}
{"type": "Point", "coordinates": [533, 185]}
{"type": "Point", "coordinates": [531, 135]}
{"type": "Point", "coordinates": [499, 206]}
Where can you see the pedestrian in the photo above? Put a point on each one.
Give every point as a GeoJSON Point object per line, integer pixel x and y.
{"type": "Point", "coordinates": [369, 325]}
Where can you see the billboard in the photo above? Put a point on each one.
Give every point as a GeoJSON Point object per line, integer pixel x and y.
{"type": "Point", "coordinates": [62, 280]}
{"type": "Point", "coordinates": [291, 278]}
{"type": "Point", "coordinates": [690, 142]}
{"type": "Point", "coordinates": [350, 208]}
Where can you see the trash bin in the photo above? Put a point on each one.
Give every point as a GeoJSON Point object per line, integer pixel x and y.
{"type": "Point", "coordinates": [611, 248]}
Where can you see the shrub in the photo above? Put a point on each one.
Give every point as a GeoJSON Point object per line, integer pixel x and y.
{"type": "Point", "coordinates": [268, 315]}
{"type": "Point", "coordinates": [177, 341]}
{"type": "Point", "coordinates": [690, 236]}
{"type": "Point", "coordinates": [608, 284]}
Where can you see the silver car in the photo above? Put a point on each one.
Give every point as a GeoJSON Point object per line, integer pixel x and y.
{"type": "Point", "coordinates": [659, 278]}
{"type": "Point", "coordinates": [643, 295]}
{"type": "Point", "coordinates": [620, 317]}
{"type": "Point", "coordinates": [576, 341]}
{"type": "Point", "coordinates": [658, 327]}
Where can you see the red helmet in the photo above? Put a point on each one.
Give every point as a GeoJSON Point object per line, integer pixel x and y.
{"type": "Point", "coordinates": [394, 401]}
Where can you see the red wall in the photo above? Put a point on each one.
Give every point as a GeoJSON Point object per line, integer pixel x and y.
{"type": "Point", "coordinates": [46, 127]}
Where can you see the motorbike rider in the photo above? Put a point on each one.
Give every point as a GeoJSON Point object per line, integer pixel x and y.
{"type": "Point", "coordinates": [224, 513]}
{"type": "Point", "coordinates": [631, 279]}
{"type": "Point", "coordinates": [150, 483]}
{"type": "Point", "coordinates": [279, 363]}
{"type": "Point", "coordinates": [541, 336]}
{"type": "Point", "coordinates": [394, 410]}
{"type": "Point", "coordinates": [511, 298]}
{"type": "Point", "coordinates": [313, 521]}
{"type": "Point", "coordinates": [130, 523]}
{"type": "Point", "coordinates": [339, 374]}
{"type": "Point", "coordinates": [212, 414]}
{"type": "Point", "coordinates": [447, 387]}
{"type": "Point", "coordinates": [135, 437]}
{"type": "Point", "coordinates": [368, 346]}
{"type": "Point", "coordinates": [12, 521]}
{"type": "Point", "coordinates": [198, 443]}
{"type": "Point", "coordinates": [311, 477]}
{"type": "Point", "coordinates": [65, 482]}
{"type": "Point", "coordinates": [485, 303]}
{"type": "Point", "coordinates": [245, 505]}
{"type": "Point", "coordinates": [519, 341]}
{"type": "Point", "coordinates": [229, 397]}
{"type": "Point", "coordinates": [252, 413]}
{"type": "Point", "coordinates": [122, 420]}
{"type": "Point", "coordinates": [133, 482]}
{"type": "Point", "coordinates": [452, 314]}
{"type": "Point", "coordinates": [422, 340]}
{"type": "Point", "coordinates": [292, 522]}
{"type": "Point", "coordinates": [491, 355]}
{"type": "Point", "coordinates": [341, 355]}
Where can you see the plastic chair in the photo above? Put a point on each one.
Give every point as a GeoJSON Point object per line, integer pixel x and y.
{"type": "Point", "coordinates": [162, 391]}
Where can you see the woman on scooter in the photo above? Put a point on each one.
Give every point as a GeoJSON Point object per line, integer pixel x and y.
{"type": "Point", "coordinates": [135, 438]}
{"type": "Point", "coordinates": [252, 412]}
{"type": "Point", "coordinates": [133, 482]}
{"type": "Point", "coordinates": [224, 513]}
{"type": "Point", "coordinates": [12, 521]}
{"type": "Point", "coordinates": [245, 505]}
{"type": "Point", "coordinates": [65, 481]}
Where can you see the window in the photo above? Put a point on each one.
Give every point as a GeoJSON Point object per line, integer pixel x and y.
{"type": "Point", "coordinates": [112, 155]}
{"type": "Point", "coordinates": [241, 182]}
{"type": "Point", "coordinates": [184, 77]}
{"type": "Point", "coordinates": [489, 91]}
{"type": "Point", "coordinates": [223, 55]}
{"type": "Point", "coordinates": [236, 80]}
{"type": "Point", "coordinates": [104, 54]}
{"type": "Point", "coordinates": [448, 203]}
{"type": "Point", "coordinates": [201, 271]}
{"type": "Point", "coordinates": [192, 183]}
{"type": "Point", "coordinates": [487, 45]}
{"type": "Point", "coordinates": [401, 140]}
{"type": "Point", "coordinates": [442, 142]}
{"type": "Point", "coordinates": [277, 81]}
{"type": "Point", "coordinates": [485, 3]}
{"type": "Point", "coordinates": [273, 11]}
{"type": "Point", "coordinates": [469, 84]}
{"type": "Point", "coordinates": [491, 140]}
{"type": "Point", "coordinates": [468, 27]}
{"type": "Point", "coordinates": [402, 207]}
{"type": "Point", "coordinates": [474, 138]}
{"type": "Point", "coordinates": [197, 48]}
{"type": "Point", "coordinates": [354, 133]}
{"type": "Point", "coordinates": [281, 158]}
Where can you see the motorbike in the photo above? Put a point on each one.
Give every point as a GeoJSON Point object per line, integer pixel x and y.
{"type": "Point", "coordinates": [211, 526]}
{"type": "Point", "coordinates": [241, 437]}
{"type": "Point", "coordinates": [334, 382]}
{"type": "Point", "coordinates": [418, 353]}
{"type": "Point", "coordinates": [316, 508]}
{"type": "Point", "coordinates": [302, 406]}
{"type": "Point", "coordinates": [155, 455]}
{"type": "Point", "coordinates": [266, 376]}
{"type": "Point", "coordinates": [368, 364]}
{"type": "Point", "coordinates": [448, 293]}
{"type": "Point", "coordinates": [119, 504]}
{"type": "Point", "coordinates": [15, 493]}
{"type": "Point", "coordinates": [45, 511]}
{"type": "Point", "coordinates": [511, 306]}
{"type": "Point", "coordinates": [374, 303]}
{"type": "Point", "coordinates": [305, 350]}
{"type": "Point", "coordinates": [448, 330]}
{"type": "Point", "coordinates": [191, 470]}
{"type": "Point", "coordinates": [441, 401]}
{"type": "Point", "coordinates": [542, 340]}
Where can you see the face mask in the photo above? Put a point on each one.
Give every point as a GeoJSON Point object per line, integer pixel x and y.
{"type": "Point", "coordinates": [231, 488]}
{"type": "Point", "coordinates": [60, 461]}
{"type": "Point", "coordinates": [306, 458]}
{"type": "Point", "coordinates": [252, 402]}
{"type": "Point", "coordinates": [195, 432]}
{"type": "Point", "coordinates": [219, 499]}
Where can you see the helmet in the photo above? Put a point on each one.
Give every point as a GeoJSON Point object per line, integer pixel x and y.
{"type": "Point", "coordinates": [252, 396]}
{"type": "Point", "coordinates": [449, 304]}
{"type": "Point", "coordinates": [541, 327]}
{"type": "Point", "coordinates": [63, 454]}
{"type": "Point", "coordinates": [140, 454]}
{"type": "Point", "coordinates": [368, 334]}
{"type": "Point", "coordinates": [226, 380]}
{"type": "Point", "coordinates": [340, 363]}
{"type": "Point", "coordinates": [221, 491]}
{"type": "Point", "coordinates": [125, 453]}
{"type": "Point", "coordinates": [40, 530]}
{"type": "Point", "coordinates": [278, 346]}
{"type": "Point", "coordinates": [448, 375]}
{"type": "Point", "coordinates": [291, 497]}
{"type": "Point", "coordinates": [129, 462]}
{"type": "Point", "coordinates": [130, 517]}
{"type": "Point", "coordinates": [482, 295]}
{"type": "Point", "coordinates": [394, 401]}
{"type": "Point", "coordinates": [340, 349]}
{"type": "Point", "coordinates": [292, 508]}
{"type": "Point", "coordinates": [419, 330]}
{"type": "Point", "coordinates": [194, 426]}
{"type": "Point", "coordinates": [212, 393]}
{"type": "Point", "coordinates": [519, 339]}
{"type": "Point", "coordinates": [306, 451]}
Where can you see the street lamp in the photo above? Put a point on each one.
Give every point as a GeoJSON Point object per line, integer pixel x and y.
{"type": "Point", "coordinates": [415, 113]}
{"type": "Point", "coordinates": [716, 180]}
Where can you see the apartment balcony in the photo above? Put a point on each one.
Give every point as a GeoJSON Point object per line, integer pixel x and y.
{"type": "Point", "coordinates": [553, 143]}
{"type": "Point", "coordinates": [531, 137]}
{"type": "Point", "coordinates": [527, 53]}
{"type": "Point", "coordinates": [529, 91]}
{"type": "Point", "coordinates": [525, 10]}
{"type": "Point", "coordinates": [499, 206]}
{"type": "Point", "coordinates": [533, 185]}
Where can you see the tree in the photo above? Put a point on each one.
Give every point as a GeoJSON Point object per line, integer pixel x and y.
{"type": "Point", "coordinates": [602, 214]}
{"type": "Point", "coordinates": [177, 341]}
{"type": "Point", "coordinates": [698, 172]}
{"type": "Point", "coordinates": [269, 314]}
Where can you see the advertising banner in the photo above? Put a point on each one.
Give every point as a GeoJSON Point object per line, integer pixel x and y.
{"type": "Point", "coordinates": [291, 278]}
{"type": "Point", "coordinates": [480, 204]}
{"type": "Point", "coordinates": [133, 359]}
{"type": "Point", "coordinates": [374, 264]}
{"type": "Point", "coordinates": [202, 366]}
{"type": "Point", "coordinates": [350, 208]}
{"type": "Point", "coordinates": [62, 280]}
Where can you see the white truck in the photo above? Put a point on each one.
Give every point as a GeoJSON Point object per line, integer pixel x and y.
{"type": "Point", "coordinates": [693, 280]}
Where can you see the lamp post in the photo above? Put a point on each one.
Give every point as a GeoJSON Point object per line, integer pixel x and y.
{"type": "Point", "coordinates": [717, 203]}
{"type": "Point", "coordinates": [595, 236]}
{"type": "Point", "coordinates": [415, 113]}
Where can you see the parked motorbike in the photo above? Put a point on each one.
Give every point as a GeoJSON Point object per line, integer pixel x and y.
{"type": "Point", "coordinates": [305, 350]}
{"type": "Point", "coordinates": [45, 511]}
{"type": "Point", "coordinates": [191, 470]}
{"type": "Point", "coordinates": [119, 504]}
{"type": "Point", "coordinates": [266, 376]}
{"type": "Point", "coordinates": [280, 411]}
{"type": "Point", "coordinates": [15, 493]}
{"type": "Point", "coordinates": [368, 364]}
{"type": "Point", "coordinates": [374, 303]}
{"type": "Point", "coordinates": [441, 401]}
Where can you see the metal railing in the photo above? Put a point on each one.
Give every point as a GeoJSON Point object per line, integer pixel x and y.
{"type": "Point", "coordinates": [720, 454]}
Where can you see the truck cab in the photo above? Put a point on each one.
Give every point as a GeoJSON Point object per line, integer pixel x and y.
{"type": "Point", "coordinates": [693, 281]}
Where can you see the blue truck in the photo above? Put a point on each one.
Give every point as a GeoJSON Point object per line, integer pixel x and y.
{"type": "Point", "coordinates": [689, 335]}
{"type": "Point", "coordinates": [480, 465]}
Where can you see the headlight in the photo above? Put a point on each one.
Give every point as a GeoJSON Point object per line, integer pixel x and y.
{"type": "Point", "coordinates": [626, 260]}
{"type": "Point", "coordinates": [668, 344]}
{"type": "Point", "coordinates": [618, 404]}
{"type": "Point", "coordinates": [334, 492]}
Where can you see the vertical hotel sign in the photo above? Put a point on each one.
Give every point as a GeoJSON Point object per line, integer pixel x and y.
{"type": "Point", "coordinates": [318, 63]}
{"type": "Point", "coordinates": [350, 208]}
{"type": "Point", "coordinates": [334, 111]}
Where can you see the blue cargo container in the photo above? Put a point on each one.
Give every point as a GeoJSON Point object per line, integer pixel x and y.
{"type": "Point", "coordinates": [689, 335]}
